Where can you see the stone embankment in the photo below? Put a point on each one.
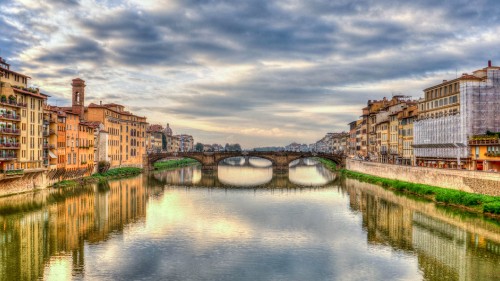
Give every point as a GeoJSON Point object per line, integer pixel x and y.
{"type": "Point", "coordinates": [464, 180]}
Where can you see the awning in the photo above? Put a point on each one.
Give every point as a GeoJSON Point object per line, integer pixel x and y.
{"type": "Point", "coordinates": [52, 155]}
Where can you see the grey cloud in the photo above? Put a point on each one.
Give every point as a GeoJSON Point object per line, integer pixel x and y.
{"type": "Point", "coordinates": [349, 44]}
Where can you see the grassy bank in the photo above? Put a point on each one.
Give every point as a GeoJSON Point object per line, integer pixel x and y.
{"type": "Point", "coordinates": [95, 178]}
{"type": "Point", "coordinates": [328, 163]}
{"type": "Point", "coordinates": [471, 201]}
{"type": "Point", "coordinates": [169, 164]}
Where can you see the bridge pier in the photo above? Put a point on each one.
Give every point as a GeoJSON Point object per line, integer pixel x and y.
{"type": "Point", "coordinates": [146, 164]}
{"type": "Point", "coordinates": [281, 169]}
{"type": "Point", "coordinates": [209, 167]}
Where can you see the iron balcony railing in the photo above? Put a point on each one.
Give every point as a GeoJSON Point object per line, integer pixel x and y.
{"type": "Point", "coordinates": [10, 145]}
{"type": "Point", "coordinates": [10, 131]}
{"type": "Point", "coordinates": [13, 103]}
{"type": "Point", "coordinates": [10, 117]}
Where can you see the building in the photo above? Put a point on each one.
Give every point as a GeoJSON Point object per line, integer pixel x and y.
{"type": "Point", "coordinates": [386, 126]}
{"type": "Point", "coordinates": [125, 132]}
{"type": "Point", "coordinates": [406, 117]}
{"type": "Point", "coordinates": [70, 146]}
{"type": "Point", "coordinates": [485, 152]}
{"type": "Point", "coordinates": [451, 112]}
{"type": "Point", "coordinates": [156, 138]}
{"type": "Point", "coordinates": [186, 143]}
{"type": "Point", "coordinates": [368, 128]}
{"type": "Point", "coordinates": [21, 124]}
{"type": "Point", "coordinates": [340, 142]}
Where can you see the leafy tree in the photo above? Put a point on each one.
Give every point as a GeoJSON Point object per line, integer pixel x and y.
{"type": "Point", "coordinates": [198, 147]}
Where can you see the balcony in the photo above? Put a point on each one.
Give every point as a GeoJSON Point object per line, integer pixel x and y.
{"type": "Point", "coordinates": [12, 103]}
{"type": "Point", "coordinates": [485, 141]}
{"type": "Point", "coordinates": [49, 133]}
{"type": "Point", "coordinates": [9, 131]}
{"type": "Point", "coordinates": [10, 145]}
{"type": "Point", "coordinates": [7, 156]}
{"type": "Point", "coordinates": [48, 146]}
{"type": "Point", "coordinates": [12, 173]}
{"type": "Point", "coordinates": [12, 117]}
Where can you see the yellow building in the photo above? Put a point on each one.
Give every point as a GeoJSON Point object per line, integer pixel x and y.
{"type": "Point", "coordinates": [485, 152]}
{"type": "Point", "coordinates": [21, 123]}
{"type": "Point", "coordinates": [405, 136]}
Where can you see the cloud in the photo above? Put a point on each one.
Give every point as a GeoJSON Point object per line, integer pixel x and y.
{"type": "Point", "coordinates": [300, 66]}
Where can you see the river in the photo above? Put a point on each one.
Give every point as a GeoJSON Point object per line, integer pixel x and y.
{"type": "Point", "coordinates": [241, 223]}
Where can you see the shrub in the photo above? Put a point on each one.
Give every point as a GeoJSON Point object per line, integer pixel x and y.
{"type": "Point", "coordinates": [493, 208]}
{"type": "Point", "coordinates": [103, 166]}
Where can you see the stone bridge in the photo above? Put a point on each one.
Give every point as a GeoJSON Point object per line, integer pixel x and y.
{"type": "Point", "coordinates": [210, 160]}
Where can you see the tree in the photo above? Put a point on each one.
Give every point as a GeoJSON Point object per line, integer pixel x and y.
{"type": "Point", "coordinates": [236, 147]}
{"type": "Point", "coordinates": [198, 147]}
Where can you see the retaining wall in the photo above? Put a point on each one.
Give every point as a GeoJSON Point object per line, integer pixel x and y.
{"type": "Point", "coordinates": [465, 180]}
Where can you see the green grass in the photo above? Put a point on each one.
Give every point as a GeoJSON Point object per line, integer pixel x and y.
{"type": "Point", "coordinates": [99, 178]}
{"type": "Point", "coordinates": [478, 202]}
{"type": "Point", "coordinates": [328, 163]}
{"type": "Point", "coordinates": [174, 163]}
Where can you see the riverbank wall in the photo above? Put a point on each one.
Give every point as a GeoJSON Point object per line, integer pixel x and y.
{"type": "Point", "coordinates": [464, 180]}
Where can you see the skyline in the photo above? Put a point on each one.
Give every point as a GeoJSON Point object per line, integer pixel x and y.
{"type": "Point", "coordinates": [255, 73]}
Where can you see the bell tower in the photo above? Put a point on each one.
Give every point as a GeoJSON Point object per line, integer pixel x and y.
{"type": "Point", "coordinates": [78, 103]}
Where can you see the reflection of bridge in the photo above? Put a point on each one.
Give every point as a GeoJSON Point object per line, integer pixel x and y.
{"type": "Point", "coordinates": [210, 179]}
{"type": "Point", "coordinates": [210, 160]}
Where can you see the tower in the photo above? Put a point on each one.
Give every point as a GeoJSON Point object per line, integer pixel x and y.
{"type": "Point", "coordinates": [78, 104]}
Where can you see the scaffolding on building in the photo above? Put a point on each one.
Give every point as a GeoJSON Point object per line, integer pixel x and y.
{"type": "Point", "coordinates": [446, 136]}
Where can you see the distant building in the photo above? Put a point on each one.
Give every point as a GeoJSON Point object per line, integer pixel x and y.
{"type": "Point", "coordinates": [156, 138]}
{"type": "Point", "coordinates": [340, 142]}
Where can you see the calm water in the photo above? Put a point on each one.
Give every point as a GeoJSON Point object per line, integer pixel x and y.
{"type": "Point", "coordinates": [243, 223]}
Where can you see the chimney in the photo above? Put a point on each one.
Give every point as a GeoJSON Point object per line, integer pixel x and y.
{"type": "Point", "coordinates": [489, 63]}
{"type": "Point", "coordinates": [100, 102]}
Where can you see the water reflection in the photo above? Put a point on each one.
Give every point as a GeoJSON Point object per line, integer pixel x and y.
{"type": "Point", "coordinates": [448, 247]}
{"type": "Point", "coordinates": [59, 225]}
{"type": "Point", "coordinates": [145, 228]}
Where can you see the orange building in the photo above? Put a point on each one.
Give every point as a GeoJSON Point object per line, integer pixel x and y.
{"type": "Point", "coordinates": [126, 133]}
{"type": "Point", "coordinates": [485, 152]}
{"type": "Point", "coordinates": [71, 148]}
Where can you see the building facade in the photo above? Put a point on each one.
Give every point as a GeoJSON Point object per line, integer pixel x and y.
{"type": "Point", "coordinates": [451, 112]}
{"type": "Point", "coordinates": [21, 124]}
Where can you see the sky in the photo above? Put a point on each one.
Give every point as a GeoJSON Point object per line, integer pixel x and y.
{"type": "Point", "coordinates": [254, 72]}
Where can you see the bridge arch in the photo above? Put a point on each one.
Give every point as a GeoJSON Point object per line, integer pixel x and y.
{"type": "Point", "coordinates": [222, 158]}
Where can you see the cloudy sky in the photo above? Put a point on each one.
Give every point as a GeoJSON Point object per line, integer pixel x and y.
{"type": "Point", "coordinates": [257, 72]}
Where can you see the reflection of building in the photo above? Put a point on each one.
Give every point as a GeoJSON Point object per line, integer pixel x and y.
{"type": "Point", "coordinates": [30, 239]}
{"type": "Point", "coordinates": [443, 250]}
